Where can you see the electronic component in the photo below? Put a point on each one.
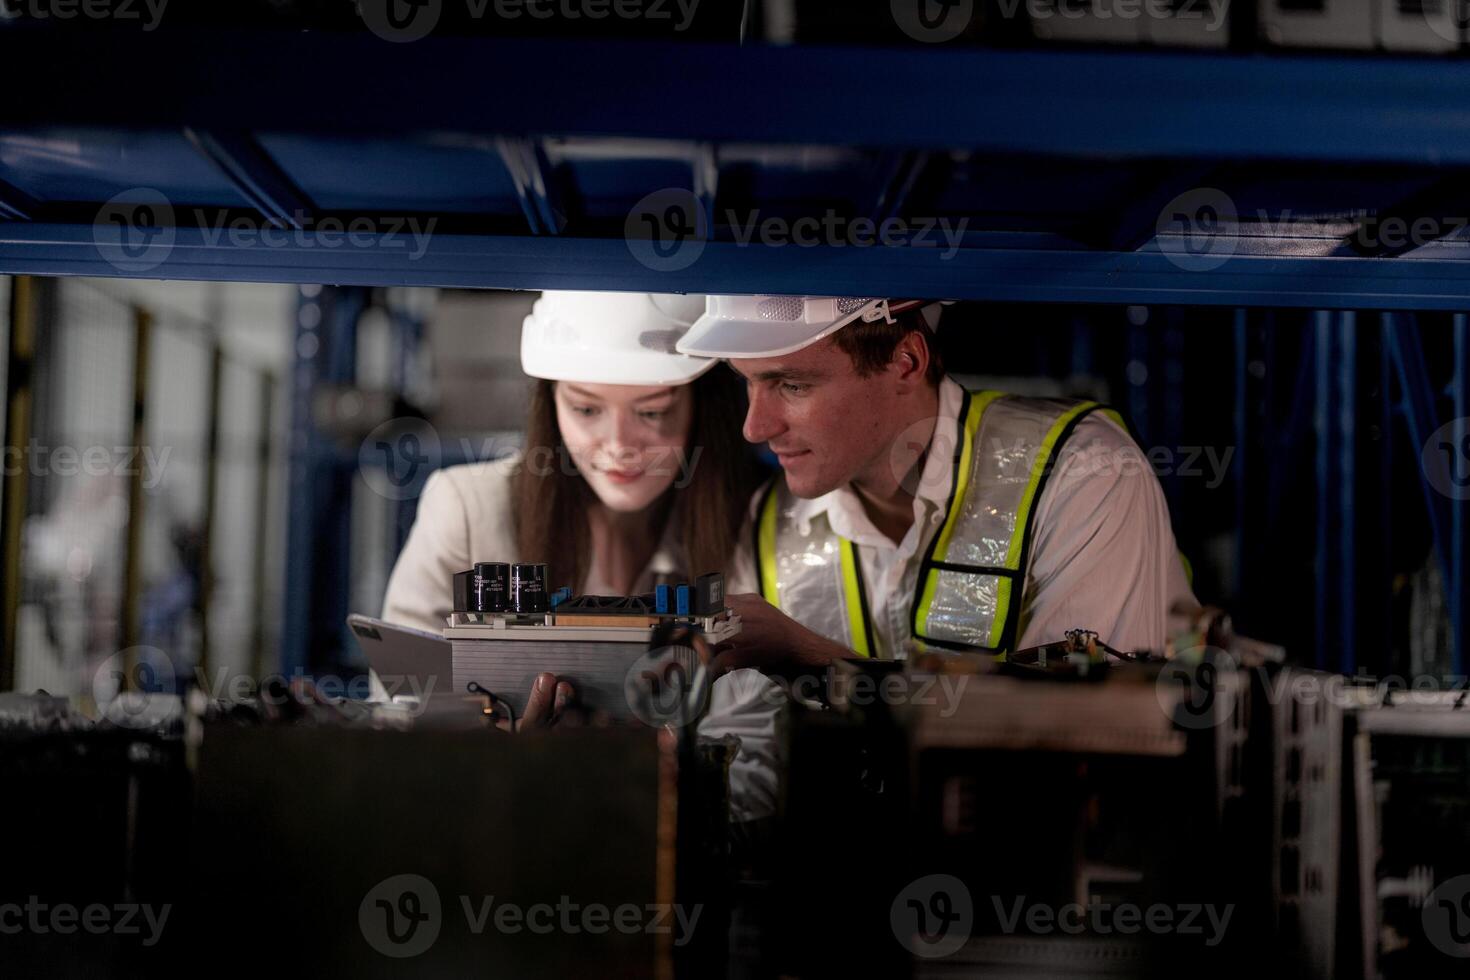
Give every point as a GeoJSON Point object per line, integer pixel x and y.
{"type": "Point", "coordinates": [463, 591]}
{"type": "Point", "coordinates": [709, 594]}
{"type": "Point", "coordinates": [490, 586]}
{"type": "Point", "coordinates": [527, 588]}
{"type": "Point", "coordinates": [661, 599]}
{"type": "Point", "coordinates": [681, 601]}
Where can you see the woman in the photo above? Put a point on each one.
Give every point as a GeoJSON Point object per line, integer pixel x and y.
{"type": "Point", "coordinates": [634, 472]}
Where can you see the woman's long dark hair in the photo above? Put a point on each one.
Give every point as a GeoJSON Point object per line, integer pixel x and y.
{"type": "Point", "coordinates": [552, 500]}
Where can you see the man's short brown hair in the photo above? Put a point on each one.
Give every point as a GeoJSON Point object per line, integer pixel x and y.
{"type": "Point", "coordinates": [871, 345]}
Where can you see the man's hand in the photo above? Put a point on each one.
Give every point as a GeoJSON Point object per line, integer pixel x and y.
{"type": "Point", "coordinates": [548, 701]}
{"type": "Point", "coordinates": [771, 640]}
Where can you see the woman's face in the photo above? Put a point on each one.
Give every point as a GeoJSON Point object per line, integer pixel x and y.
{"type": "Point", "coordinates": [628, 442]}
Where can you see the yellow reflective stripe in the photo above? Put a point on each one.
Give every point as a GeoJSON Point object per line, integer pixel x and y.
{"type": "Point", "coordinates": [852, 596]}
{"type": "Point", "coordinates": [1116, 416]}
{"type": "Point", "coordinates": [765, 540]}
{"type": "Point", "coordinates": [1023, 516]}
{"type": "Point", "coordinates": [1188, 569]}
{"type": "Point", "coordinates": [978, 401]}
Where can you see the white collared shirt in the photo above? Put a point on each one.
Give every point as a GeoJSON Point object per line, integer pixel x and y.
{"type": "Point", "coordinates": [1103, 555]}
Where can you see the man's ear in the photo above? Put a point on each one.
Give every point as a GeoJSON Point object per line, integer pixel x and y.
{"type": "Point", "coordinates": [911, 360]}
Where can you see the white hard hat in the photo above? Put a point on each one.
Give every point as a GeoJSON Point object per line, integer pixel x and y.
{"type": "Point", "coordinates": [769, 326]}
{"type": "Point", "coordinates": [611, 338]}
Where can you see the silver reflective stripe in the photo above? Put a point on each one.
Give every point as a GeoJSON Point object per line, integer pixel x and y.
{"type": "Point", "coordinates": [809, 572]}
{"type": "Point", "coordinates": [970, 586]}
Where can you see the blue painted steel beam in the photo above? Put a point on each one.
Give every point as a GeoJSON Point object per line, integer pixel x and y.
{"type": "Point", "coordinates": [1167, 104]}
{"type": "Point", "coordinates": [1000, 274]}
{"type": "Point", "coordinates": [1335, 356]}
{"type": "Point", "coordinates": [16, 204]}
{"type": "Point", "coordinates": [257, 177]}
{"type": "Point", "coordinates": [902, 173]}
{"type": "Point", "coordinates": [530, 173]}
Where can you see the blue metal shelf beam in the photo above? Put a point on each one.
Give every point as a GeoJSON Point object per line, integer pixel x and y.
{"type": "Point", "coordinates": [1129, 104]}
{"type": "Point", "coordinates": [255, 175]}
{"type": "Point", "coordinates": [1012, 274]}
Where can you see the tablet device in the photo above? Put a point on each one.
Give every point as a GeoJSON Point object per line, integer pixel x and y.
{"type": "Point", "coordinates": [409, 662]}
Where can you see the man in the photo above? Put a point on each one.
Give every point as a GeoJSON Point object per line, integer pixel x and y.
{"type": "Point", "coordinates": [912, 514]}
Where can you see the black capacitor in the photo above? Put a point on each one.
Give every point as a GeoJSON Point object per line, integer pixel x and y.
{"type": "Point", "coordinates": [492, 593]}
{"type": "Point", "coordinates": [528, 587]}
{"type": "Point", "coordinates": [464, 591]}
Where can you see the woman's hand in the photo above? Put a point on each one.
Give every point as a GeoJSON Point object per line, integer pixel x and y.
{"type": "Point", "coordinates": [548, 701]}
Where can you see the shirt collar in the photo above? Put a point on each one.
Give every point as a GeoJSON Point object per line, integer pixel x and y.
{"type": "Point", "coordinates": [844, 511]}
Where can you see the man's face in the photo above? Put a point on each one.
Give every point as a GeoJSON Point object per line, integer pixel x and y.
{"type": "Point", "coordinates": [827, 425]}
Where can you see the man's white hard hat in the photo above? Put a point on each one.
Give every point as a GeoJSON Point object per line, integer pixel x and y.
{"type": "Point", "coordinates": [770, 326]}
{"type": "Point", "coordinates": [611, 338]}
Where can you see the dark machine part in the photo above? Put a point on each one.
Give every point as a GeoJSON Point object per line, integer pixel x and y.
{"type": "Point", "coordinates": [709, 594]}
{"type": "Point", "coordinates": [93, 815]}
{"type": "Point", "coordinates": [463, 591]}
{"type": "Point", "coordinates": [492, 593]}
{"type": "Point", "coordinates": [528, 588]}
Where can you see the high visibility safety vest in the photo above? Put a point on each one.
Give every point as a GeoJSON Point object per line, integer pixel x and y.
{"type": "Point", "coordinates": [970, 584]}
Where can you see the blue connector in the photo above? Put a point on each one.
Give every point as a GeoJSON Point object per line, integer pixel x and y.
{"type": "Point", "coordinates": [661, 599]}
{"type": "Point", "coordinates": [682, 600]}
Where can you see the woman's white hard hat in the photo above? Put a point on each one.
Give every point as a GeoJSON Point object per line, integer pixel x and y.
{"type": "Point", "coordinates": [611, 338]}
{"type": "Point", "coordinates": [770, 326]}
